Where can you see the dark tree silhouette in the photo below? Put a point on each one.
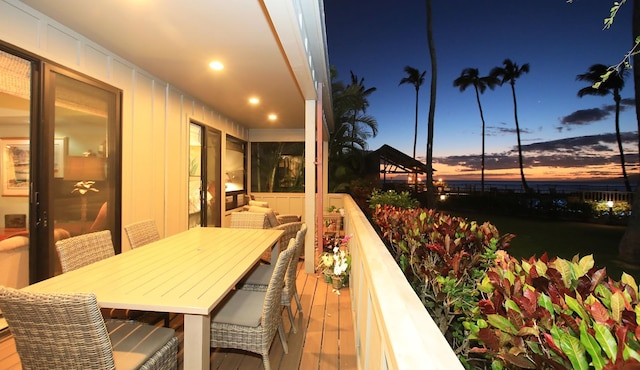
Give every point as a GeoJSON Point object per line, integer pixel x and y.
{"type": "Point", "coordinates": [611, 85]}
{"type": "Point", "coordinates": [348, 140]}
{"type": "Point", "coordinates": [358, 95]}
{"type": "Point", "coordinates": [629, 247]}
{"type": "Point", "coordinates": [510, 72]}
{"type": "Point", "coordinates": [431, 196]}
{"type": "Point", "coordinates": [471, 77]}
{"type": "Point", "coordinates": [415, 78]}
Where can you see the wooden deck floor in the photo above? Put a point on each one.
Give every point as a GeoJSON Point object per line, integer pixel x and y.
{"type": "Point", "coordinates": [324, 340]}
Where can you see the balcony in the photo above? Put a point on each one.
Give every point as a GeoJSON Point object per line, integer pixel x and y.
{"type": "Point", "coordinates": [376, 323]}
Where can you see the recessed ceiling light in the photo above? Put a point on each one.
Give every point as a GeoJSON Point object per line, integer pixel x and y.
{"type": "Point", "coordinates": [272, 117]}
{"type": "Point", "coordinates": [254, 101]}
{"type": "Point", "coordinates": [216, 65]}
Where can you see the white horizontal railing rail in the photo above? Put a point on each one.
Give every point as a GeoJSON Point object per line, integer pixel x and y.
{"type": "Point", "coordinates": [392, 328]}
{"type": "Point", "coordinates": [605, 196]}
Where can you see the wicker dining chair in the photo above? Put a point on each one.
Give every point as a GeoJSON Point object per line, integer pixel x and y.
{"type": "Point", "coordinates": [142, 233]}
{"type": "Point", "coordinates": [249, 220]}
{"type": "Point", "coordinates": [258, 278]}
{"type": "Point", "coordinates": [82, 250]}
{"type": "Point", "coordinates": [66, 331]}
{"type": "Point", "coordinates": [248, 320]}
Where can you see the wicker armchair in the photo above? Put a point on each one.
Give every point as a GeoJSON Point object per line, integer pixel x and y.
{"type": "Point", "coordinates": [142, 233]}
{"type": "Point", "coordinates": [84, 249]}
{"type": "Point", "coordinates": [274, 218]}
{"type": "Point", "coordinates": [258, 278]}
{"type": "Point", "coordinates": [249, 220]}
{"type": "Point", "coordinates": [66, 331]}
{"type": "Point", "coordinates": [261, 206]}
{"type": "Point", "coordinates": [248, 320]}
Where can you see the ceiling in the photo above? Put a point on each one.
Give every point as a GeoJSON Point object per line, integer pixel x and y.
{"type": "Point", "coordinates": [175, 41]}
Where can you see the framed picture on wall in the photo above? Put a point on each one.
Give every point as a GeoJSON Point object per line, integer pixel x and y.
{"type": "Point", "coordinates": [59, 155]}
{"type": "Point", "coordinates": [14, 171]}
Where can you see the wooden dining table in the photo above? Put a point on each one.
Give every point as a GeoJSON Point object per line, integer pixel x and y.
{"type": "Point", "coordinates": [189, 273]}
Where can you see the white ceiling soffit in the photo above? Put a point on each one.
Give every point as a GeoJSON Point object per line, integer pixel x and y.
{"type": "Point", "coordinates": [175, 40]}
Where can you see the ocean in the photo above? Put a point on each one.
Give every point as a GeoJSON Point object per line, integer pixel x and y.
{"type": "Point", "coordinates": [540, 186]}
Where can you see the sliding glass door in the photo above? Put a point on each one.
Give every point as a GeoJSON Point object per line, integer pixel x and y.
{"type": "Point", "coordinates": [204, 176]}
{"type": "Point", "coordinates": [16, 77]}
{"type": "Point", "coordinates": [59, 161]}
{"type": "Point", "coordinates": [81, 120]}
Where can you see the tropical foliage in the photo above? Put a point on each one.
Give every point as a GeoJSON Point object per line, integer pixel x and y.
{"type": "Point", "coordinates": [501, 313]}
{"type": "Point", "coordinates": [352, 128]}
{"type": "Point", "coordinates": [278, 167]}
{"type": "Point", "coordinates": [551, 313]}
{"type": "Point", "coordinates": [392, 198]}
{"type": "Point", "coordinates": [443, 258]}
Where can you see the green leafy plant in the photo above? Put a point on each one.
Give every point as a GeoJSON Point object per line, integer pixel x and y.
{"type": "Point", "coordinates": [392, 198]}
{"type": "Point", "coordinates": [444, 258]}
{"type": "Point", "coordinates": [601, 208]}
{"type": "Point", "coordinates": [556, 314]}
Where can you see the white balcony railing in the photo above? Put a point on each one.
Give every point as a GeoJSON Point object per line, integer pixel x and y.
{"type": "Point", "coordinates": [393, 330]}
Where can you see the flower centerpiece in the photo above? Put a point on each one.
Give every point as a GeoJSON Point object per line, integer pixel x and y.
{"type": "Point", "coordinates": [336, 264]}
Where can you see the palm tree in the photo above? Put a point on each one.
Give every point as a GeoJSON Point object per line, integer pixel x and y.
{"type": "Point", "coordinates": [510, 72]}
{"type": "Point", "coordinates": [348, 140]}
{"type": "Point", "coordinates": [630, 243]}
{"type": "Point", "coordinates": [471, 77]}
{"type": "Point", "coordinates": [611, 85]}
{"type": "Point", "coordinates": [415, 78]}
{"type": "Point", "coordinates": [357, 96]}
{"type": "Point", "coordinates": [431, 196]}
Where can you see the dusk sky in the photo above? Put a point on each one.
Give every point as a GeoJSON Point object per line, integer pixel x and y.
{"type": "Point", "coordinates": [563, 136]}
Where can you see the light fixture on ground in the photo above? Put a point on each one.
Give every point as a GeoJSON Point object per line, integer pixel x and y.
{"type": "Point", "coordinates": [610, 205]}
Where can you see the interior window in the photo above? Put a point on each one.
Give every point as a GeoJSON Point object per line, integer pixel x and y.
{"type": "Point", "coordinates": [235, 176]}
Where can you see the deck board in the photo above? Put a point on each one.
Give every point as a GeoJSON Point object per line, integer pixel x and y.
{"type": "Point", "coordinates": [324, 340]}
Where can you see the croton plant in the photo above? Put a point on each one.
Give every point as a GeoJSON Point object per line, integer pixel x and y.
{"type": "Point", "coordinates": [498, 312]}
{"type": "Point", "coordinates": [443, 258]}
{"type": "Point", "coordinates": [557, 314]}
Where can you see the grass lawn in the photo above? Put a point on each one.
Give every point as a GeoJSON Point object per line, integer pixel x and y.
{"type": "Point", "coordinates": [562, 239]}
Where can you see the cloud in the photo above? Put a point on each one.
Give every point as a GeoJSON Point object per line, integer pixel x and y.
{"type": "Point", "coordinates": [627, 102]}
{"type": "Point", "coordinates": [587, 116]}
{"type": "Point", "coordinates": [500, 130]}
{"type": "Point", "coordinates": [574, 152]}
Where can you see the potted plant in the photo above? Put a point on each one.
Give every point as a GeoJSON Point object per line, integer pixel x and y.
{"type": "Point", "coordinates": [336, 264]}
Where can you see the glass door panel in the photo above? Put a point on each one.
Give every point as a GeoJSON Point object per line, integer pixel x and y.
{"type": "Point", "coordinates": [213, 194]}
{"type": "Point", "coordinates": [204, 168]}
{"type": "Point", "coordinates": [82, 184]}
{"type": "Point", "coordinates": [15, 168]}
{"type": "Point", "coordinates": [195, 175]}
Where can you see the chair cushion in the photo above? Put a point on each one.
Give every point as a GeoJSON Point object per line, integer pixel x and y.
{"type": "Point", "coordinates": [134, 342]}
{"type": "Point", "coordinates": [240, 307]}
{"type": "Point", "coordinates": [258, 203]}
{"type": "Point", "coordinates": [260, 275]}
{"type": "Point", "coordinates": [273, 220]}
{"type": "Point", "coordinates": [14, 244]}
